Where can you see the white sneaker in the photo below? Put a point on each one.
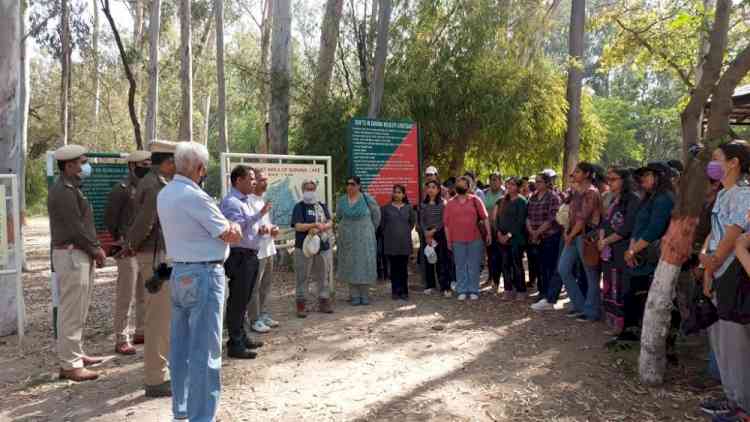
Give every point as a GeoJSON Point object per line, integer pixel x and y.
{"type": "Point", "coordinates": [260, 327]}
{"type": "Point", "coordinates": [447, 293]}
{"type": "Point", "coordinates": [474, 297]}
{"type": "Point", "coordinates": [543, 305]}
{"type": "Point", "coordinates": [462, 297]}
{"type": "Point", "coordinates": [269, 322]}
{"type": "Point", "coordinates": [428, 291]}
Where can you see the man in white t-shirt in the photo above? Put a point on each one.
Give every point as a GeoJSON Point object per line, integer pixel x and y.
{"type": "Point", "coordinates": [258, 315]}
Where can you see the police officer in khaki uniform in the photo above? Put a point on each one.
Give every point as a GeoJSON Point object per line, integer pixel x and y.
{"type": "Point", "coordinates": [143, 237]}
{"type": "Point", "coordinates": [75, 250]}
{"type": "Point", "coordinates": [118, 217]}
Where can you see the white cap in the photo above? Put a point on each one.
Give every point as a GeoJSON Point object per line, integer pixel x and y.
{"type": "Point", "coordinates": [431, 170]}
{"type": "Point", "coordinates": [549, 173]}
{"type": "Point", "coordinates": [69, 152]}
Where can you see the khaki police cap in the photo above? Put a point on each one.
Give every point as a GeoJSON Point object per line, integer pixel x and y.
{"type": "Point", "coordinates": [69, 152]}
{"type": "Point", "coordinates": [164, 147]}
{"type": "Point", "coordinates": [137, 156]}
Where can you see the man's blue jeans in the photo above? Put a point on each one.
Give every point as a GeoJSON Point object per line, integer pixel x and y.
{"type": "Point", "coordinates": [195, 355]}
{"type": "Point", "coordinates": [468, 256]}
{"type": "Point", "coordinates": [589, 305]}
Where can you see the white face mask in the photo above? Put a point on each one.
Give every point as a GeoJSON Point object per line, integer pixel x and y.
{"type": "Point", "coordinates": [85, 171]}
{"type": "Point", "coordinates": [309, 197]}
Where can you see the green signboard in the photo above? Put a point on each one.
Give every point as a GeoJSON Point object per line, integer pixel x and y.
{"type": "Point", "coordinates": [384, 153]}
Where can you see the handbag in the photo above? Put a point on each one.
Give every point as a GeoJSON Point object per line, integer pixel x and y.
{"type": "Point", "coordinates": [701, 315]}
{"type": "Point", "coordinates": [733, 294]}
{"type": "Point", "coordinates": [480, 222]}
{"type": "Point", "coordinates": [591, 254]}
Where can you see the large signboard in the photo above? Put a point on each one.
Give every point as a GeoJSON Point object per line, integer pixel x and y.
{"type": "Point", "coordinates": [285, 174]}
{"type": "Point", "coordinates": [385, 153]}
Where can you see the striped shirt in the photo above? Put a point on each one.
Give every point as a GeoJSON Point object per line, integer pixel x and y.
{"type": "Point", "coordinates": [431, 215]}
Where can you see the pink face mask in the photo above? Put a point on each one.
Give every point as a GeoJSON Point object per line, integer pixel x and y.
{"type": "Point", "coordinates": [714, 171]}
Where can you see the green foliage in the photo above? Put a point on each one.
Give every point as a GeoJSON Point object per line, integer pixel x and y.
{"type": "Point", "coordinates": [36, 187]}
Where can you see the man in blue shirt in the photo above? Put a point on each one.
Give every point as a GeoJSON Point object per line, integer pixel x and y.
{"type": "Point", "coordinates": [242, 265]}
{"type": "Point", "coordinates": [196, 235]}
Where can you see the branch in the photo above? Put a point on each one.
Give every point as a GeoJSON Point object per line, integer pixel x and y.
{"type": "Point", "coordinates": [128, 73]}
{"type": "Point", "coordinates": [721, 100]}
{"type": "Point", "coordinates": [637, 35]}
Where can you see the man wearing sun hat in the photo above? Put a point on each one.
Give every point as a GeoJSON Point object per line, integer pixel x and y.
{"type": "Point", "coordinates": [145, 238]}
{"type": "Point", "coordinates": [118, 216]}
{"type": "Point", "coordinates": [75, 251]}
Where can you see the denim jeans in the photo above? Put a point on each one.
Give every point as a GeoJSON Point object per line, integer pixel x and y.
{"type": "Point", "coordinates": [195, 356]}
{"type": "Point", "coordinates": [467, 256]}
{"type": "Point", "coordinates": [590, 304]}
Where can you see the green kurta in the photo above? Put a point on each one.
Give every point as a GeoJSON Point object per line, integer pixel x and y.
{"type": "Point", "coordinates": [356, 244]}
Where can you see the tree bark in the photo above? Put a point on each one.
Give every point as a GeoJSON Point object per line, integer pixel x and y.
{"type": "Point", "coordinates": [329, 35]}
{"type": "Point", "coordinates": [222, 142]}
{"type": "Point", "coordinates": [152, 110]}
{"type": "Point", "coordinates": [280, 77]}
{"type": "Point", "coordinates": [95, 52]}
{"type": "Point", "coordinates": [186, 72]}
{"type": "Point", "coordinates": [677, 243]}
{"type": "Point", "coordinates": [263, 82]}
{"type": "Point", "coordinates": [128, 74]}
{"type": "Point", "coordinates": [206, 119]}
{"type": "Point", "coordinates": [575, 84]}
{"type": "Point", "coordinates": [64, 73]}
{"type": "Point", "coordinates": [10, 118]}
{"type": "Point", "coordinates": [381, 55]}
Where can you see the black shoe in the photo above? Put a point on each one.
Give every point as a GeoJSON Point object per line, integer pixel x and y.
{"type": "Point", "coordinates": [253, 344]}
{"type": "Point", "coordinates": [404, 297]}
{"type": "Point", "coordinates": [573, 314]}
{"type": "Point", "coordinates": [241, 354]}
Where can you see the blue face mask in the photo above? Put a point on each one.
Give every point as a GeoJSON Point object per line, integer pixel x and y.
{"type": "Point", "coordinates": [85, 171]}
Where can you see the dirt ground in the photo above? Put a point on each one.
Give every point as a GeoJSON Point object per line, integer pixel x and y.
{"type": "Point", "coordinates": [431, 359]}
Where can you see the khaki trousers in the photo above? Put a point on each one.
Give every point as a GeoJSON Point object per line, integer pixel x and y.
{"type": "Point", "coordinates": [75, 275]}
{"type": "Point", "coordinates": [129, 294]}
{"type": "Point", "coordinates": [156, 326]}
{"type": "Point", "coordinates": [262, 289]}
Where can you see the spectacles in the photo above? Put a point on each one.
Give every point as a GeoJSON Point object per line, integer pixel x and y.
{"type": "Point", "coordinates": [430, 174]}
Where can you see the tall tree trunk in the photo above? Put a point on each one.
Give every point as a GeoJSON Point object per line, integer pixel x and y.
{"type": "Point", "coordinates": [329, 35]}
{"type": "Point", "coordinates": [186, 72]}
{"type": "Point", "coordinates": [575, 84]}
{"type": "Point", "coordinates": [280, 77]}
{"type": "Point", "coordinates": [381, 55]}
{"type": "Point", "coordinates": [263, 82]}
{"type": "Point", "coordinates": [221, 93]}
{"type": "Point", "coordinates": [95, 51]}
{"type": "Point", "coordinates": [152, 111]}
{"type": "Point", "coordinates": [11, 111]}
{"type": "Point", "coordinates": [677, 243]}
{"type": "Point", "coordinates": [64, 73]}
{"type": "Point", "coordinates": [128, 74]}
{"type": "Point", "coordinates": [139, 9]}
{"type": "Point", "coordinates": [206, 118]}
{"type": "Point", "coordinates": [703, 47]}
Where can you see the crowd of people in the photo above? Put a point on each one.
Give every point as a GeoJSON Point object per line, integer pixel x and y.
{"type": "Point", "coordinates": [177, 251]}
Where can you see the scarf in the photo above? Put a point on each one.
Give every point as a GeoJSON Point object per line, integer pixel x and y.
{"type": "Point", "coordinates": [360, 209]}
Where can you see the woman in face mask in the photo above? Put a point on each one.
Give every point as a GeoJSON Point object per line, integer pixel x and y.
{"type": "Point", "coordinates": [462, 219]}
{"type": "Point", "coordinates": [730, 341]}
{"type": "Point", "coordinates": [311, 217]}
{"type": "Point", "coordinates": [399, 219]}
{"type": "Point", "coordinates": [358, 216]}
